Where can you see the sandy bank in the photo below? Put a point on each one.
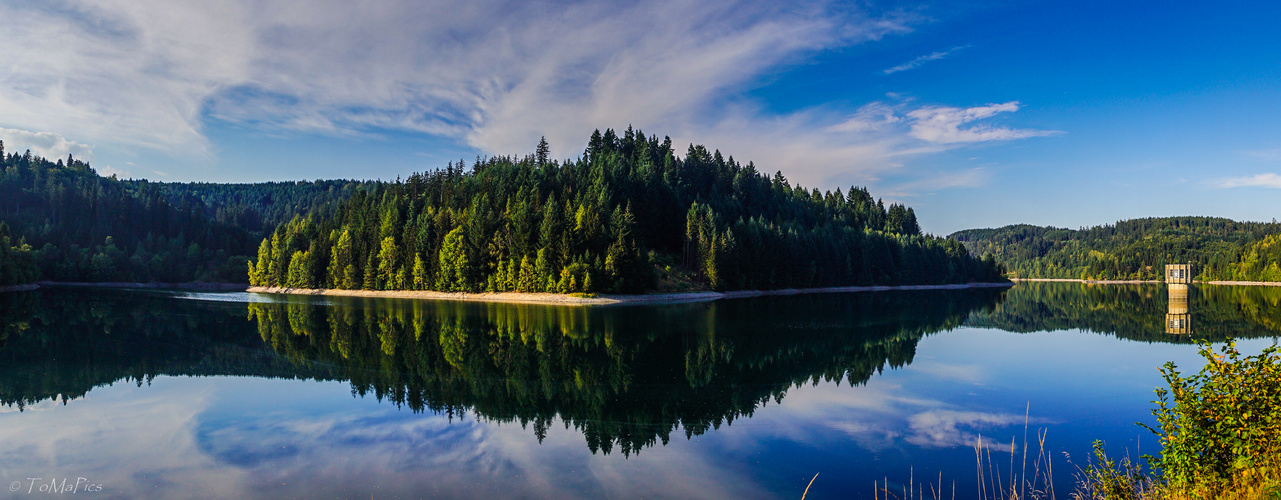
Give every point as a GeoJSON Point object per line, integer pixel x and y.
{"type": "Point", "coordinates": [19, 288]}
{"type": "Point", "coordinates": [1245, 283]}
{"type": "Point", "coordinates": [603, 299]}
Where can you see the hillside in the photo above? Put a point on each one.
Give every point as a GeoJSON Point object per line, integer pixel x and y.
{"type": "Point", "coordinates": [1220, 249]}
{"type": "Point", "coordinates": [627, 216]}
{"type": "Point", "coordinates": [64, 222]}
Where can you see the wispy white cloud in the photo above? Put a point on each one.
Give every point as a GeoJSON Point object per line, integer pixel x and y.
{"type": "Point", "coordinates": [916, 63]}
{"type": "Point", "coordinates": [177, 434]}
{"type": "Point", "coordinates": [496, 74]}
{"type": "Point", "coordinates": [1267, 180]}
{"type": "Point", "coordinates": [872, 117]}
{"type": "Point", "coordinates": [947, 428]}
{"type": "Point", "coordinates": [493, 75]}
{"type": "Point", "coordinates": [881, 137]}
{"type": "Point", "coordinates": [46, 144]}
{"type": "Point", "coordinates": [943, 124]}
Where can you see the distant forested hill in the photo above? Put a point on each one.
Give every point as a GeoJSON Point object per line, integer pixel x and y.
{"type": "Point", "coordinates": [1221, 249]}
{"type": "Point", "coordinates": [627, 216]}
{"type": "Point", "coordinates": [73, 225]}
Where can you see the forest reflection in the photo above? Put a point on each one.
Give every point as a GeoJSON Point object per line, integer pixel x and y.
{"type": "Point", "coordinates": [1145, 312]}
{"type": "Point", "coordinates": [626, 377]}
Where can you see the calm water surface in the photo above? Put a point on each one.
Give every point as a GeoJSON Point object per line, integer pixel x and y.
{"type": "Point", "coordinates": [190, 395]}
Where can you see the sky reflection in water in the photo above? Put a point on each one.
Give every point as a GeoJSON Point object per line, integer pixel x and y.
{"type": "Point", "coordinates": [305, 435]}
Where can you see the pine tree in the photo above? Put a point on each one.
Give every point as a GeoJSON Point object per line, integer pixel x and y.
{"type": "Point", "coordinates": [387, 264]}
{"type": "Point", "coordinates": [542, 152]}
{"type": "Point", "coordinates": [453, 267]}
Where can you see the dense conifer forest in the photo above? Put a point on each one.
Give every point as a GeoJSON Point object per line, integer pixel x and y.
{"type": "Point", "coordinates": [629, 215]}
{"type": "Point", "coordinates": [1219, 249]}
{"type": "Point", "coordinates": [64, 222]}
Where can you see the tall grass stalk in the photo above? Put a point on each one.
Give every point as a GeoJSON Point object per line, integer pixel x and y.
{"type": "Point", "coordinates": [991, 483]}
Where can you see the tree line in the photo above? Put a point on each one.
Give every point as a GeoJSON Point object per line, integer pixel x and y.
{"type": "Point", "coordinates": [72, 224]}
{"type": "Point", "coordinates": [629, 215]}
{"type": "Point", "coordinates": [1220, 249]}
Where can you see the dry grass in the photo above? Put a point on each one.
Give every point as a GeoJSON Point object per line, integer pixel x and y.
{"type": "Point", "coordinates": [1021, 480]}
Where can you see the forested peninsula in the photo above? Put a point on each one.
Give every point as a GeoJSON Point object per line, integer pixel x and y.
{"type": "Point", "coordinates": [628, 216]}
{"type": "Point", "coordinates": [1219, 249]}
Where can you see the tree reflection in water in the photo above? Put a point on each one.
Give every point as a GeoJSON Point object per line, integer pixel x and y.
{"type": "Point", "coordinates": [625, 377]}
{"type": "Point", "coordinates": [1136, 312]}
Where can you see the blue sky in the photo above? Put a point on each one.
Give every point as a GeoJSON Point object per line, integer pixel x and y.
{"type": "Point", "coordinates": [979, 115]}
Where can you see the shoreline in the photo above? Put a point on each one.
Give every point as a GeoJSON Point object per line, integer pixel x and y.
{"type": "Point", "coordinates": [19, 288]}
{"type": "Point", "coordinates": [1091, 282]}
{"type": "Point", "coordinates": [1241, 283]}
{"type": "Point", "coordinates": [603, 299]}
{"type": "Point", "coordinates": [1140, 282]}
{"type": "Point", "coordinates": [192, 285]}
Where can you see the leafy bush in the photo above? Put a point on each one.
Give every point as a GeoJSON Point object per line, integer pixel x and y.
{"type": "Point", "coordinates": [1220, 431]}
{"type": "Point", "coordinates": [1221, 422]}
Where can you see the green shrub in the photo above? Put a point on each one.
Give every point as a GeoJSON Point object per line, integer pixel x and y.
{"type": "Point", "coordinates": [1222, 421]}
{"type": "Point", "coordinates": [1220, 433]}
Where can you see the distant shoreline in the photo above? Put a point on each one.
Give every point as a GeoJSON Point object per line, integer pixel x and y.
{"type": "Point", "coordinates": [604, 299]}
{"type": "Point", "coordinates": [1092, 282]}
{"type": "Point", "coordinates": [193, 285]}
{"type": "Point", "coordinates": [1137, 282]}
{"type": "Point", "coordinates": [19, 288]}
{"type": "Point", "coordinates": [1242, 283]}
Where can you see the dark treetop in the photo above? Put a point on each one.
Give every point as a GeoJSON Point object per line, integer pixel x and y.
{"type": "Point", "coordinates": [628, 216]}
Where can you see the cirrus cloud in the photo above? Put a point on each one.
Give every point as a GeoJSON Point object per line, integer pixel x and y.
{"type": "Point", "coordinates": [492, 75]}
{"type": "Point", "coordinates": [1267, 180]}
{"type": "Point", "coordinates": [943, 124]}
{"type": "Point", "coordinates": [918, 62]}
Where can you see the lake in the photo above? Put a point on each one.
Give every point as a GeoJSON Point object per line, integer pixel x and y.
{"type": "Point", "coordinates": [138, 393]}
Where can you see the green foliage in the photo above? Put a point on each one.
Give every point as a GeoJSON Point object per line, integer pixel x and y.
{"type": "Point", "coordinates": [84, 227]}
{"type": "Point", "coordinates": [1220, 432]}
{"type": "Point", "coordinates": [591, 225]}
{"type": "Point", "coordinates": [1106, 478]}
{"type": "Point", "coordinates": [454, 264]}
{"type": "Point", "coordinates": [1222, 421]}
{"type": "Point", "coordinates": [299, 270]}
{"type": "Point", "coordinates": [17, 264]}
{"type": "Point", "coordinates": [1138, 249]}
